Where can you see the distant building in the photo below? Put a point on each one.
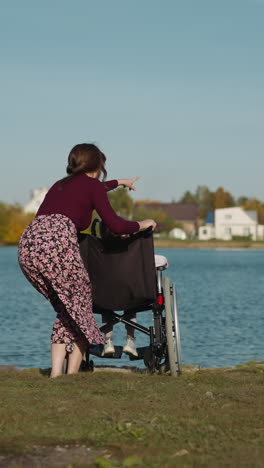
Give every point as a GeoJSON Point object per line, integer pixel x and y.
{"type": "Point", "coordinates": [207, 231]}
{"type": "Point", "coordinates": [186, 214]}
{"type": "Point", "coordinates": [225, 223]}
{"type": "Point", "coordinates": [178, 233]}
{"type": "Point", "coordinates": [36, 198]}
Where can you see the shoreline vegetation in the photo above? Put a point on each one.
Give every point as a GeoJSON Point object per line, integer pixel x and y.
{"type": "Point", "coordinates": [204, 418]}
{"type": "Point", "coordinates": [210, 244]}
{"type": "Point", "coordinates": [195, 244]}
{"type": "Point", "coordinates": [13, 218]}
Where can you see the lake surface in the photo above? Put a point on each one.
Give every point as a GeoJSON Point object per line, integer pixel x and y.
{"type": "Point", "coordinates": [220, 300]}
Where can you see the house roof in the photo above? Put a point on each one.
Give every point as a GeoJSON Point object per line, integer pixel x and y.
{"type": "Point", "coordinates": [252, 214]}
{"type": "Point", "coordinates": [178, 211]}
{"type": "Point", "coordinates": [210, 218]}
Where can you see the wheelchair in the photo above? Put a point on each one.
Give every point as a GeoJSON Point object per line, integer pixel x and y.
{"type": "Point", "coordinates": [127, 278]}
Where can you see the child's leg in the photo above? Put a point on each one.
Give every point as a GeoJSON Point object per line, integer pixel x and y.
{"type": "Point", "coordinates": [130, 347]}
{"type": "Point", "coordinates": [106, 316]}
{"type": "Point", "coordinates": [109, 348]}
{"type": "Point", "coordinates": [130, 330]}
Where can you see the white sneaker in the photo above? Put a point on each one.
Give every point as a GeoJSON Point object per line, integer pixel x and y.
{"type": "Point", "coordinates": [108, 347]}
{"type": "Point", "coordinates": [130, 347]}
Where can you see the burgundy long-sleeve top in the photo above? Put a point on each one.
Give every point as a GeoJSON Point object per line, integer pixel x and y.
{"type": "Point", "coordinates": [77, 199]}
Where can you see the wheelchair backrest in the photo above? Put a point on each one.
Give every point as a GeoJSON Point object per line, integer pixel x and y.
{"type": "Point", "coordinates": [122, 270]}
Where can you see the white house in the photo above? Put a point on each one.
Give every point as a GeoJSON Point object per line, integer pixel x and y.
{"type": "Point", "coordinates": [36, 198]}
{"type": "Point", "coordinates": [229, 222]}
{"type": "Point", "coordinates": [178, 233]}
{"type": "Point", "coordinates": [206, 232]}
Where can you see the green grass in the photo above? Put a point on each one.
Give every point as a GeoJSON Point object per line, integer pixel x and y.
{"type": "Point", "coordinates": [205, 418]}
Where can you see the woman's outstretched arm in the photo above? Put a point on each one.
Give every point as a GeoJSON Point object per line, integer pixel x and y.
{"type": "Point", "coordinates": [113, 184]}
{"type": "Point", "coordinates": [114, 222]}
{"type": "Point", "coordinates": [128, 182]}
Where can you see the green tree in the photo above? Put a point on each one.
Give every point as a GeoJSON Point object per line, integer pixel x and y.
{"type": "Point", "coordinates": [164, 221]}
{"type": "Point", "coordinates": [13, 221]}
{"type": "Point", "coordinates": [222, 199]}
{"type": "Point", "coordinates": [121, 202]}
{"type": "Point", "coordinates": [204, 200]}
{"type": "Point", "coordinates": [242, 200]}
{"type": "Point", "coordinates": [252, 204]}
{"type": "Point", "coordinates": [188, 197]}
{"type": "Point", "coordinates": [4, 219]}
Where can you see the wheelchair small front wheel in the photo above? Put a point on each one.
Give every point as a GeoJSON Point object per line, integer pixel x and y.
{"type": "Point", "coordinates": [87, 366]}
{"type": "Point", "coordinates": [169, 325]}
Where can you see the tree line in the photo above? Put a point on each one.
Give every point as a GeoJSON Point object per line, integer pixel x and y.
{"type": "Point", "coordinates": [207, 200]}
{"type": "Point", "coordinates": [13, 219]}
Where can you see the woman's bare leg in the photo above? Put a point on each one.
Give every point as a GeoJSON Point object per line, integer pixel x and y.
{"type": "Point", "coordinates": [75, 358]}
{"type": "Point", "coordinates": [58, 353]}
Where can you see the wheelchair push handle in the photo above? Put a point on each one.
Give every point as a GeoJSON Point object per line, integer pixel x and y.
{"type": "Point", "coordinates": [102, 231]}
{"type": "Point", "coordinates": [93, 227]}
{"type": "Point", "coordinates": [105, 233]}
{"type": "Point", "coordinates": [147, 232]}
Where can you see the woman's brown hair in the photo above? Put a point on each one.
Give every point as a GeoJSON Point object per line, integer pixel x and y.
{"type": "Point", "coordinates": [85, 157]}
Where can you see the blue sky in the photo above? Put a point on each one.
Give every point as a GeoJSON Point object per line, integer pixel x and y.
{"type": "Point", "coordinates": [170, 90]}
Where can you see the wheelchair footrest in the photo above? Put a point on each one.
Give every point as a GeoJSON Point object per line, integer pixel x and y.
{"type": "Point", "coordinates": [97, 350]}
{"type": "Point", "coordinates": [141, 353]}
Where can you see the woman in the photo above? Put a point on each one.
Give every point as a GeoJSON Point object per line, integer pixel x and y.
{"type": "Point", "coordinates": [49, 254]}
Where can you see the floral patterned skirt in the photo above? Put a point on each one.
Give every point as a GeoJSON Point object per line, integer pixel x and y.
{"type": "Point", "coordinates": [49, 257]}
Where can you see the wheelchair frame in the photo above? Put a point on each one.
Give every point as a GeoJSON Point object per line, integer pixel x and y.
{"type": "Point", "coordinates": [163, 355]}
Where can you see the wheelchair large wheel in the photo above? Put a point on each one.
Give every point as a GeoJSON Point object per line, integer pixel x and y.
{"type": "Point", "coordinates": [172, 329]}
{"type": "Point", "coordinates": [176, 328]}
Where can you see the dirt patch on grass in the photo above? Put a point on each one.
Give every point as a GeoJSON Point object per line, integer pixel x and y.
{"type": "Point", "coordinates": [53, 457]}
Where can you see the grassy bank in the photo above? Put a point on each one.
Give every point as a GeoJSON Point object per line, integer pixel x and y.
{"type": "Point", "coordinates": [212, 244]}
{"type": "Point", "coordinates": [205, 418]}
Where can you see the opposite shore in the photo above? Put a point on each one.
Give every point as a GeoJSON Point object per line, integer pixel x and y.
{"type": "Point", "coordinates": [212, 244]}
{"type": "Point", "coordinates": [196, 244]}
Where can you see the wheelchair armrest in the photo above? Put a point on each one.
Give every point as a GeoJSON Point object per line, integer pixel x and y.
{"type": "Point", "coordinates": [161, 262]}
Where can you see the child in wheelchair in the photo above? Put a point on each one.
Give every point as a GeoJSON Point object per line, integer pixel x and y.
{"type": "Point", "coordinates": [130, 345]}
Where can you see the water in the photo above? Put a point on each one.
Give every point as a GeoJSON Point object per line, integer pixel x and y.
{"type": "Point", "coordinates": [220, 299]}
